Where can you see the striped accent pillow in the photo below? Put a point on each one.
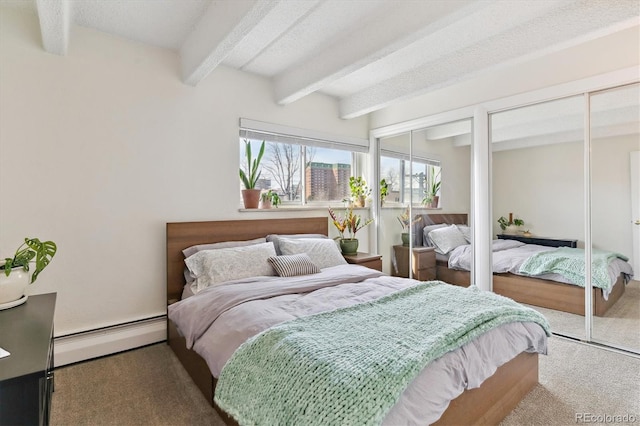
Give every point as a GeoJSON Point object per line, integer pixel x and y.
{"type": "Point", "coordinates": [293, 265]}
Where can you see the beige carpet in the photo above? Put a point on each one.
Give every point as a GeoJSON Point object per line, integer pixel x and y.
{"type": "Point", "coordinates": [148, 386]}
{"type": "Point", "coordinates": [620, 325]}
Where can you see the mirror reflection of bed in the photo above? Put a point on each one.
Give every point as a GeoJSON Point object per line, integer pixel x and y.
{"type": "Point", "coordinates": [516, 364]}
{"type": "Point", "coordinates": [539, 173]}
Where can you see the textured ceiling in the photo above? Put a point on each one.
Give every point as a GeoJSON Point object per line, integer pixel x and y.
{"type": "Point", "coordinates": [367, 53]}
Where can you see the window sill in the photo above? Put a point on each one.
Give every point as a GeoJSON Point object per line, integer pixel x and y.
{"type": "Point", "coordinates": [300, 209]}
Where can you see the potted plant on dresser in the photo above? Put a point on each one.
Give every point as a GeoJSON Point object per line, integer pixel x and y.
{"type": "Point", "coordinates": [351, 223]}
{"type": "Point", "coordinates": [510, 226]}
{"type": "Point", "coordinates": [14, 273]}
{"type": "Point", "coordinates": [249, 177]}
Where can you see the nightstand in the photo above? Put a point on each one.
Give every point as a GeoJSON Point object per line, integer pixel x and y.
{"type": "Point", "coordinates": [373, 261]}
{"type": "Point", "coordinates": [423, 263]}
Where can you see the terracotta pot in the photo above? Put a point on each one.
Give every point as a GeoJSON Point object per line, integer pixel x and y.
{"type": "Point", "coordinates": [349, 245]}
{"type": "Point", "coordinates": [251, 198]}
{"type": "Point", "coordinates": [434, 201]}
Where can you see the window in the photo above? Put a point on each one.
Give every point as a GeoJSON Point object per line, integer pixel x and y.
{"type": "Point", "coordinates": [302, 166]}
{"type": "Point", "coordinates": [416, 183]}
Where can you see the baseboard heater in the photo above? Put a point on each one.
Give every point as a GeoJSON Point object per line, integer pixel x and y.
{"type": "Point", "coordinates": [85, 345]}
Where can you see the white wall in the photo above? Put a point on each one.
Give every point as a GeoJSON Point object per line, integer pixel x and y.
{"type": "Point", "coordinates": [102, 147]}
{"type": "Point", "coordinates": [544, 186]}
{"type": "Point", "coordinates": [614, 52]}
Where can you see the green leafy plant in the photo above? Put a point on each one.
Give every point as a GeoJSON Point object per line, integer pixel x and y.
{"type": "Point", "coordinates": [272, 196]}
{"type": "Point", "coordinates": [358, 187]}
{"type": "Point", "coordinates": [504, 222]}
{"type": "Point", "coordinates": [384, 190]}
{"type": "Point", "coordinates": [43, 252]}
{"type": "Point", "coordinates": [350, 222]}
{"type": "Point", "coordinates": [252, 174]}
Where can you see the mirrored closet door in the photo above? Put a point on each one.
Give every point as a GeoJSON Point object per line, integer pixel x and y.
{"type": "Point", "coordinates": [538, 182]}
{"type": "Point", "coordinates": [427, 176]}
{"type": "Point", "coordinates": [615, 216]}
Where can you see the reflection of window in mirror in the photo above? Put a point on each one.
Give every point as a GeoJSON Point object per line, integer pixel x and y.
{"type": "Point", "coordinates": [423, 178]}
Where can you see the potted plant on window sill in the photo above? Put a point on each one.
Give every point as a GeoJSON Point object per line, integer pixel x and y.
{"type": "Point", "coordinates": [251, 195]}
{"type": "Point", "coordinates": [431, 197]}
{"type": "Point", "coordinates": [268, 199]}
{"type": "Point", "coordinates": [14, 273]}
{"type": "Point", "coordinates": [352, 223]}
{"type": "Point", "coordinates": [384, 191]}
{"type": "Point", "coordinates": [359, 190]}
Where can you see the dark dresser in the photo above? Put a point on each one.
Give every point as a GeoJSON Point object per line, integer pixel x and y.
{"type": "Point", "coordinates": [541, 241]}
{"type": "Point", "coordinates": [26, 376]}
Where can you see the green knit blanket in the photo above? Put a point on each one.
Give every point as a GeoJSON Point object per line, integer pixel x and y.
{"type": "Point", "coordinates": [349, 366]}
{"type": "Point", "coordinates": [570, 263]}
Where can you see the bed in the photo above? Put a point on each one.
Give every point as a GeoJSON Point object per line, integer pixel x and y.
{"type": "Point", "coordinates": [524, 289]}
{"type": "Point", "coordinates": [488, 403]}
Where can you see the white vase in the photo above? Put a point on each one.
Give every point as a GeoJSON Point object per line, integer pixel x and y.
{"type": "Point", "coordinates": [14, 286]}
{"type": "Point", "coordinates": [512, 230]}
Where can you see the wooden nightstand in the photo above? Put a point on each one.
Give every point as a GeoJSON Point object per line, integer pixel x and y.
{"type": "Point", "coordinates": [373, 261]}
{"type": "Point", "coordinates": [423, 263]}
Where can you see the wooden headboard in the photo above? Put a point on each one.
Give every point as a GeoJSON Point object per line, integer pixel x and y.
{"type": "Point", "coordinates": [181, 235]}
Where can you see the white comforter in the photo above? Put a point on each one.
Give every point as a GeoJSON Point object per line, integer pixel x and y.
{"type": "Point", "coordinates": [509, 255]}
{"type": "Point", "coordinates": [219, 319]}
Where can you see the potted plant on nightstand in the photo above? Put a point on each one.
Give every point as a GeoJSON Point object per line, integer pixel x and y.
{"type": "Point", "coordinates": [406, 221]}
{"type": "Point", "coordinates": [14, 273]}
{"type": "Point", "coordinates": [268, 199]}
{"type": "Point", "coordinates": [352, 223]}
{"type": "Point", "coordinates": [251, 195]}
{"type": "Point", "coordinates": [359, 190]}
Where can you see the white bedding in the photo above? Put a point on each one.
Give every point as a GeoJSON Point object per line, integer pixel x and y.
{"type": "Point", "coordinates": [509, 255]}
{"type": "Point", "coordinates": [218, 319]}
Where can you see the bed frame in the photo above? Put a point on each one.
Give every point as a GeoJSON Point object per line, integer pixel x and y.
{"type": "Point", "coordinates": [488, 404]}
{"type": "Point", "coordinates": [529, 290]}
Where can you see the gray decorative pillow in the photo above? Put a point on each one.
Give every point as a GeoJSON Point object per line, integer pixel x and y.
{"type": "Point", "coordinates": [212, 267]}
{"type": "Point", "coordinates": [275, 238]}
{"type": "Point", "coordinates": [293, 265]}
{"type": "Point", "coordinates": [446, 239]}
{"type": "Point", "coordinates": [425, 233]}
{"type": "Point", "coordinates": [190, 251]}
{"type": "Point", "coordinates": [323, 251]}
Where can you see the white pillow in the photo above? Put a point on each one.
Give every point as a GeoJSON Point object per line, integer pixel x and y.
{"type": "Point", "coordinates": [324, 252]}
{"type": "Point", "coordinates": [446, 239]}
{"type": "Point", "coordinates": [212, 267]}
{"type": "Point", "coordinates": [465, 231]}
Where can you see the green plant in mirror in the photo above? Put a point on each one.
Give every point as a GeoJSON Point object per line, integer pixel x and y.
{"type": "Point", "coordinates": [252, 174]}
{"type": "Point", "coordinates": [43, 252]}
